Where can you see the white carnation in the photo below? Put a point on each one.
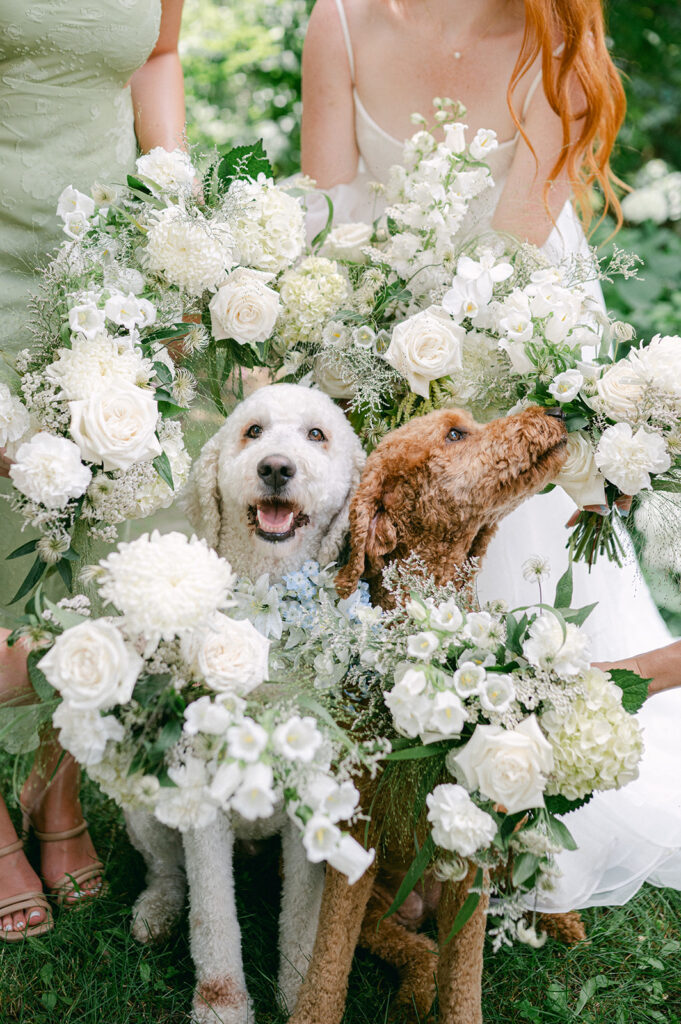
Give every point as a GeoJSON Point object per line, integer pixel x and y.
{"type": "Point", "coordinates": [426, 347]}
{"type": "Point", "coordinates": [14, 418]}
{"type": "Point", "coordinates": [48, 469]}
{"type": "Point", "coordinates": [165, 584]}
{"type": "Point", "coordinates": [458, 825]}
{"type": "Point", "coordinates": [244, 308]}
{"type": "Point", "coordinates": [92, 666]}
{"type": "Point", "coordinates": [660, 361]}
{"type": "Point", "coordinates": [188, 251]}
{"type": "Point", "coordinates": [116, 427]}
{"type": "Point", "coordinates": [85, 734]}
{"type": "Point", "coordinates": [267, 223]}
{"type": "Point", "coordinates": [627, 458]}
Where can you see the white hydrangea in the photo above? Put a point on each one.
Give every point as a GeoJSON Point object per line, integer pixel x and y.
{"type": "Point", "coordinates": [14, 418]}
{"type": "Point", "coordinates": [458, 825]}
{"type": "Point", "coordinates": [627, 458]}
{"type": "Point", "coordinates": [189, 251]}
{"type": "Point", "coordinates": [95, 363]}
{"type": "Point", "coordinates": [597, 745]}
{"type": "Point", "coordinates": [547, 648]}
{"type": "Point", "coordinates": [48, 469]}
{"type": "Point", "coordinates": [149, 491]}
{"type": "Point", "coordinates": [165, 584]}
{"type": "Point", "coordinates": [268, 224]}
{"type": "Point", "coordinates": [311, 293]}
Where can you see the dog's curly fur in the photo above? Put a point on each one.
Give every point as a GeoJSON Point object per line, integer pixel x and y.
{"type": "Point", "coordinates": [437, 486]}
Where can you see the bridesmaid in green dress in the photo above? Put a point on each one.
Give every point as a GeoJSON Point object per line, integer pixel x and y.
{"type": "Point", "coordinates": [81, 86]}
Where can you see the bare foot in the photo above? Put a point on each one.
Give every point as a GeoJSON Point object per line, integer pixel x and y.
{"type": "Point", "coordinates": [16, 877]}
{"type": "Point", "coordinates": [55, 807]}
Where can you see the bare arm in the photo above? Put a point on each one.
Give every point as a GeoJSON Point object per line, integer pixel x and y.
{"type": "Point", "coordinates": [158, 87]}
{"type": "Point", "coordinates": [662, 666]}
{"type": "Point", "coordinates": [329, 148]}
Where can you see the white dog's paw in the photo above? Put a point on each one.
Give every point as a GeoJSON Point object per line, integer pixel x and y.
{"type": "Point", "coordinates": [157, 910]}
{"type": "Point", "coordinates": [222, 1001]}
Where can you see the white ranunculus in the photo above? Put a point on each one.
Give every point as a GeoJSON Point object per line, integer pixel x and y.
{"type": "Point", "coordinates": [165, 584]}
{"type": "Point", "coordinates": [244, 308]}
{"type": "Point", "coordinates": [128, 311]}
{"type": "Point", "coordinates": [446, 717]}
{"type": "Point", "coordinates": [203, 715]}
{"type": "Point", "coordinates": [48, 469]}
{"type": "Point", "coordinates": [268, 224]}
{"type": "Point", "coordinates": [14, 418]}
{"type": "Point", "coordinates": [350, 858]}
{"type": "Point", "coordinates": [226, 781]}
{"type": "Point", "coordinates": [469, 679]}
{"type": "Point", "coordinates": [231, 655]}
{"type": "Point", "coordinates": [86, 319]}
{"type": "Point", "coordinates": [255, 797]}
{"type": "Point", "coordinates": [484, 143]}
{"type": "Point", "coordinates": [447, 617]}
{"type": "Point", "coordinates": [547, 648]}
{"type": "Point", "coordinates": [497, 693]}
{"type": "Point", "coordinates": [298, 739]}
{"type": "Point", "coordinates": [320, 838]}
{"type": "Point", "coordinates": [92, 666]}
{"type": "Point", "coordinates": [508, 766]}
{"type": "Point", "coordinates": [566, 386]}
{"type": "Point", "coordinates": [246, 741]}
{"type": "Point", "coordinates": [72, 201]}
{"type": "Point", "coordinates": [627, 458]}
{"type": "Point", "coordinates": [346, 241]}
{"type": "Point", "coordinates": [619, 391]}
{"type": "Point", "coordinates": [579, 477]}
{"type": "Point", "coordinates": [116, 427]}
{"type": "Point", "coordinates": [328, 377]}
{"type": "Point", "coordinates": [422, 645]}
{"type": "Point", "coordinates": [189, 251]}
{"type": "Point", "coordinates": [85, 734]}
{"type": "Point", "coordinates": [426, 347]}
{"type": "Point", "coordinates": [170, 170]}
{"type": "Point", "coordinates": [458, 825]}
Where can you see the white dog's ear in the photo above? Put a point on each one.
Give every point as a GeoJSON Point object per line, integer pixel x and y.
{"type": "Point", "coordinates": [200, 498]}
{"type": "Point", "coordinates": [333, 541]}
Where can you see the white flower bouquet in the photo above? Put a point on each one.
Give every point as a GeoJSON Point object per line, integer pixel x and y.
{"type": "Point", "coordinates": [498, 724]}
{"type": "Point", "coordinates": [164, 702]}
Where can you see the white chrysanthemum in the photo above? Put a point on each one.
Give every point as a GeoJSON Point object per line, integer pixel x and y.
{"type": "Point", "coordinates": [47, 469]}
{"type": "Point", "coordinates": [311, 293]}
{"type": "Point", "coordinates": [95, 363]}
{"type": "Point", "coordinates": [548, 648]}
{"type": "Point", "coordinates": [165, 584]}
{"type": "Point", "coordinates": [188, 251]}
{"type": "Point", "coordinates": [458, 825]}
{"type": "Point", "coordinates": [627, 458]}
{"type": "Point", "coordinates": [14, 418]}
{"type": "Point", "coordinates": [170, 170]}
{"type": "Point", "coordinates": [598, 745]}
{"type": "Point", "coordinates": [267, 223]}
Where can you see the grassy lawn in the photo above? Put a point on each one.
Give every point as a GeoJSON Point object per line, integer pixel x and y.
{"type": "Point", "coordinates": [89, 970]}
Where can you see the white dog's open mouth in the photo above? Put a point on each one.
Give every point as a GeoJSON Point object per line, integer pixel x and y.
{"type": "Point", "coordinates": [276, 520]}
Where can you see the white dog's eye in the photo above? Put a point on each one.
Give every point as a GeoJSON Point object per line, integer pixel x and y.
{"type": "Point", "coordinates": [316, 434]}
{"type": "Point", "coordinates": [255, 430]}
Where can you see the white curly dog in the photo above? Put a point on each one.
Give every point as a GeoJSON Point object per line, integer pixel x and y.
{"type": "Point", "coordinates": [269, 491]}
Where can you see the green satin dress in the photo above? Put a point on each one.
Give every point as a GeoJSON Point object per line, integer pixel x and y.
{"type": "Point", "coordinates": [66, 118]}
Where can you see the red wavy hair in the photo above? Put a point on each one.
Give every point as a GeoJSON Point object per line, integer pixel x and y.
{"type": "Point", "coordinates": [583, 66]}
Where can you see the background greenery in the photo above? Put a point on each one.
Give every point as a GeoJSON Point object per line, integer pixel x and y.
{"type": "Point", "coordinates": [242, 67]}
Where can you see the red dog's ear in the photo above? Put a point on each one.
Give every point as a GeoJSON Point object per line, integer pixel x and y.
{"type": "Point", "coordinates": [372, 532]}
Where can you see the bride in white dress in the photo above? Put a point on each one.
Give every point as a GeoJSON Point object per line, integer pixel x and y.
{"type": "Point", "coordinates": [369, 64]}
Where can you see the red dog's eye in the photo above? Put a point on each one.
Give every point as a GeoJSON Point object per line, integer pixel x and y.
{"type": "Point", "coordinates": [455, 435]}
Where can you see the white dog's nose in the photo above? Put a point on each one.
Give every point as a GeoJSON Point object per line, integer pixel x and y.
{"type": "Point", "coordinates": [275, 471]}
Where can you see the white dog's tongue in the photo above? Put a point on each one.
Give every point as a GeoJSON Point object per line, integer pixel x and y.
{"type": "Point", "coordinates": [275, 518]}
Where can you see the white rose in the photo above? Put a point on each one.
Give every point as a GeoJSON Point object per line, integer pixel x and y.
{"type": "Point", "coordinates": [85, 734]}
{"type": "Point", "coordinates": [627, 459]}
{"type": "Point", "coordinates": [329, 378]}
{"type": "Point", "coordinates": [579, 477]}
{"type": "Point", "coordinates": [346, 241]}
{"type": "Point", "coordinates": [92, 666]}
{"type": "Point", "coordinates": [619, 391]}
{"type": "Point", "coordinates": [48, 469]}
{"type": "Point", "coordinates": [230, 654]}
{"type": "Point", "coordinates": [244, 308]}
{"type": "Point", "coordinates": [171, 171]}
{"type": "Point", "coordinates": [458, 825]}
{"type": "Point", "coordinates": [548, 648]}
{"type": "Point", "coordinates": [116, 426]}
{"type": "Point", "coordinates": [14, 418]}
{"type": "Point", "coordinates": [508, 766]}
{"type": "Point", "coordinates": [426, 347]}
{"type": "Point", "coordinates": [566, 386]}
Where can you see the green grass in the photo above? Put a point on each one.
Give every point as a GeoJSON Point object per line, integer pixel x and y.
{"type": "Point", "coordinates": [89, 970]}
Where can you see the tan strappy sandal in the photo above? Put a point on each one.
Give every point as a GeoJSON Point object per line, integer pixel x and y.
{"type": "Point", "coordinates": [69, 887]}
{"type": "Point", "coordinates": [24, 901]}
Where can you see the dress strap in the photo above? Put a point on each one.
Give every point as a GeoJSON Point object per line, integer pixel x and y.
{"type": "Point", "coordinates": [346, 36]}
{"type": "Point", "coordinates": [535, 83]}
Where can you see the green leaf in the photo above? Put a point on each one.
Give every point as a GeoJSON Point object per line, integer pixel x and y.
{"type": "Point", "coordinates": [162, 466]}
{"type": "Point", "coordinates": [634, 688]}
{"type": "Point", "coordinates": [25, 549]}
{"type": "Point", "coordinates": [167, 738]}
{"type": "Point", "coordinates": [416, 870]}
{"type": "Point", "coordinates": [244, 162]}
{"type": "Point", "coordinates": [657, 484]}
{"type": "Point", "coordinates": [137, 185]}
{"type": "Point", "coordinates": [590, 986]}
{"type": "Point", "coordinates": [35, 574]}
{"type": "Point", "coordinates": [64, 616]}
{"type": "Point", "coordinates": [560, 832]}
{"type": "Point", "coordinates": [20, 726]}
{"type": "Point", "coordinates": [579, 615]}
{"type": "Point", "coordinates": [414, 753]}
{"type": "Point", "coordinates": [178, 330]}
{"type": "Point", "coordinates": [64, 569]}
{"type": "Point", "coordinates": [561, 805]}
{"type": "Point", "coordinates": [563, 598]}
{"type": "Point", "coordinates": [38, 678]}
{"type": "Point", "coordinates": [524, 866]}
{"type": "Point", "coordinates": [576, 422]}
{"type": "Point", "coordinates": [322, 235]}
{"type": "Point", "coordinates": [467, 910]}
{"type": "Point", "coordinates": [163, 373]}
{"type": "Point", "coordinates": [168, 409]}
{"type": "Point", "coordinates": [150, 688]}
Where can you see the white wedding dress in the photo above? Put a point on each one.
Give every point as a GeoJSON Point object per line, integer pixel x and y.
{"type": "Point", "coordinates": [627, 836]}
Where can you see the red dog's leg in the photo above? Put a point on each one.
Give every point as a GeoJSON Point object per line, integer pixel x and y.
{"type": "Point", "coordinates": [459, 976]}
